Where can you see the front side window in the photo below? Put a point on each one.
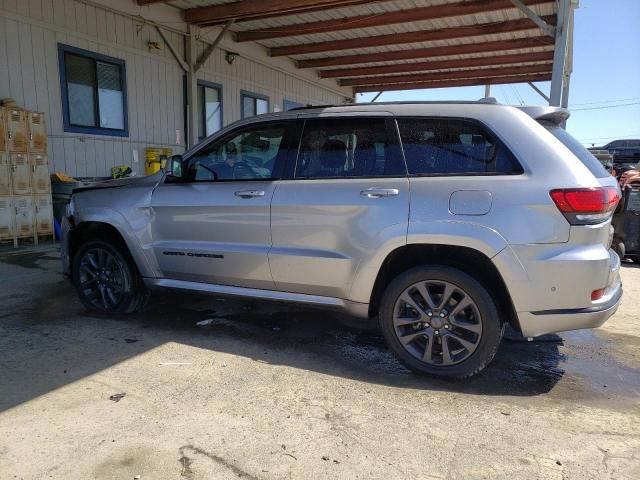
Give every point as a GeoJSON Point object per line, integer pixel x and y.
{"type": "Point", "coordinates": [253, 104]}
{"type": "Point", "coordinates": [209, 109]}
{"type": "Point", "coordinates": [443, 146]}
{"type": "Point", "coordinates": [356, 147]}
{"type": "Point", "coordinates": [250, 154]}
{"type": "Point", "coordinates": [93, 92]}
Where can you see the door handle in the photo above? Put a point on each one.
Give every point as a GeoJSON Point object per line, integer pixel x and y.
{"type": "Point", "coordinates": [380, 192]}
{"type": "Point", "coordinates": [250, 193]}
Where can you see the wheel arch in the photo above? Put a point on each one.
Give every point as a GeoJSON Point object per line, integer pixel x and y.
{"type": "Point", "coordinates": [469, 260]}
{"type": "Point", "coordinates": [96, 230]}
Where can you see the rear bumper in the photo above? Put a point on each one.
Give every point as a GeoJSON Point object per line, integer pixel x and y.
{"type": "Point", "coordinates": [540, 322]}
{"type": "Point", "coordinates": [534, 324]}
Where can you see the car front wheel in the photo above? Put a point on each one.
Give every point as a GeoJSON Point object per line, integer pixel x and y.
{"type": "Point", "coordinates": [440, 321]}
{"type": "Point", "coordinates": [106, 279]}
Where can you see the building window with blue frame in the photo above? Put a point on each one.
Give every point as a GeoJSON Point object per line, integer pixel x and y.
{"type": "Point", "coordinates": [252, 104]}
{"type": "Point", "coordinates": [290, 104]}
{"type": "Point", "coordinates": [94, 98]}
{"type": "Point", "coordinates": [209, 108]}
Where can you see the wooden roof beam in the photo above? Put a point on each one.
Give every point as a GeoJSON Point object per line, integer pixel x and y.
{"type": "Point", "coordinates": [440, 76]}
{"type": "Point", "coordinates": [468, 82]}
{"type": "Point", "coordinates": [389, 18]}
{"type": "Point", "coordinates": [439, 65]}
{"type": "Point", "coordinates": [429, 52]}
{"type": "Point", "coordinates": [142, 3]}
{"type": "Point", "coordinates": [409, 37]}
{"type": "Point", "coordinates": [253, 9]}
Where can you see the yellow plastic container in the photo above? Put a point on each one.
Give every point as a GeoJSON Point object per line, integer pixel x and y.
{"type": "Point", "coordinates": [155, 159]}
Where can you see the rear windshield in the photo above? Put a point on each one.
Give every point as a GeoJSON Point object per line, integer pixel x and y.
{"type": "Point", "coordinates": [584, 155]}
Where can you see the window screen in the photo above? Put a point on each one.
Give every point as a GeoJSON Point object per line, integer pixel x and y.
{"type": "Point", "coordinates": [356, 147]}
{"type": "Point", "coordinates": [445, 146]}
{"type": "Point", "coordinates": [93, 92]}
{"type": "Point", "coordinates": [81, 80]}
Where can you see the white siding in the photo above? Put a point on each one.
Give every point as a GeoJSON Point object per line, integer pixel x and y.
{"type": "Point", "coordinates": [30, 31]}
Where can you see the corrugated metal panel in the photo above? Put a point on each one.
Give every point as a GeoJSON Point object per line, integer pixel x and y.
{"type": "Point", "coordinates": [450, 22]}
{"type": "Point", "coordinates": [534, 32]}
{"type": "Point", "coordinates": [377, 8]}
{"type": "Point", "coordinates": [447, 57]}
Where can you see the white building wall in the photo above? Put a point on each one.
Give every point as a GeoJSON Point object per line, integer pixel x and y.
{"type": "Point", "coordinates": [30, 31]}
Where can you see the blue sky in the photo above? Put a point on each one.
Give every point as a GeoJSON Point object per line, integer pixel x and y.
{"type": "Point", "coordinates": [604, 96]}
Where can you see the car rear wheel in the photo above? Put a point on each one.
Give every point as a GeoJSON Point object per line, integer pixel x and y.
{"type": "Point", "coordinates": [440, 321]}
{"type": "Point", "coordinates": [106, 279]}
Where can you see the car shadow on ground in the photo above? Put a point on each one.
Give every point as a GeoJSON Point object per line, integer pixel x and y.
{"type": "Point", "coordinates": [48, 340]}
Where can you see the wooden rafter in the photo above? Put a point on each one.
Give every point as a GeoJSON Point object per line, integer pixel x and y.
{"type": "Point", "coordinates": [455, 75]}
{"type": "Point", "coordinates": [409, 37]}
{"type": "Point", "coordinates": [388, 18]}
{"type": "Point", "coordinates": [253, 9]}
{"type": "Point", "coordinates": [149, 2]}
{"type": "Point", "coordinates": [467, 82]}
{"type": "Point", "coordinates": [519, 58]}
{"type": "Point", "coordinates": [429, 52]}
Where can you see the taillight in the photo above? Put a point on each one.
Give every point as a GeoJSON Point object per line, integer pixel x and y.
{"type": "Point", "coordinates": [584, 206]}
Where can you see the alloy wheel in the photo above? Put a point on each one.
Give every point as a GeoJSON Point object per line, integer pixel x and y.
{"type": "Point", "coordinates": [102, 279]}
{"type": "Point", "coordinates": [437, 322]}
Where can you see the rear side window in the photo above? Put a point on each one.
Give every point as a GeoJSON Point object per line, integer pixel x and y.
{"type": "Point", "coordinates": [443, 146]}
{"type": "Point", "coordinates": [584, 155]}
{"type": "Point", "coordinates": [354, 147]}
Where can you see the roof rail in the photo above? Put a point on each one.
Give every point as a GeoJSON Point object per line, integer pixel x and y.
{"type": "Point", "coordinates": [487, 101]}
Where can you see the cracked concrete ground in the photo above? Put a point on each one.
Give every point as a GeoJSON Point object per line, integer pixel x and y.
{"type": "Point", "coordinates": [269, 392]}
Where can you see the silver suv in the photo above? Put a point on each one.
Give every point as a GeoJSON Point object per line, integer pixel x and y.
{"type": "Point", "coordinates": [443, 221]}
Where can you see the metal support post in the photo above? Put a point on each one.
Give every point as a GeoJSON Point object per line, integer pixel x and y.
{"type": "Point", "coordinates": [560, 53]}
{"type": "Point", "coordinates": [191, 136]}
{"type": "Point", "coordinates": [569, 63]}
{"type": "Point", "coordinates": [378, 95]}
{"type": "Point", "coordinates": [539, 92]}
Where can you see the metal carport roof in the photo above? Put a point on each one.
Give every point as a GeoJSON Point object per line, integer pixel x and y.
{"type": "Point", "coordinates": [374, 45]}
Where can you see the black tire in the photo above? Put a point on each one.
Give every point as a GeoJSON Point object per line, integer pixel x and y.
{"type": "Point", "coordinates": [118, 290]}
{"type": "Point", "coordinates": [620, 249]}
{"type": "Point", "coordinates": [486, 342]}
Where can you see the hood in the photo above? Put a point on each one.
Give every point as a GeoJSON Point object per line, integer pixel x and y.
{"type": "Point", "coordinates": [150, 180]}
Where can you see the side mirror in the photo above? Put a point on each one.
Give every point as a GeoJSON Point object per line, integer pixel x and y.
{"type": "Point", "coordinates": [173, 167]}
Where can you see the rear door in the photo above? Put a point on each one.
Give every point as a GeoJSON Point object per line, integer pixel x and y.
{"type": "Point", "coordinates": [348, 199]}
{"type": "Point", "coordinates": [214, 226]}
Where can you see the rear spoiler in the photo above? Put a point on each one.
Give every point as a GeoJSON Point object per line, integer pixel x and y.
{"type": "Point", "coordinates": [548, 115]}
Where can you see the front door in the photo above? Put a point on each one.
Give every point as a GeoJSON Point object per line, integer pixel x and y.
{"type": "Point", "coordinates": [348, 200]}
{"type": "Point", "coordinates": [213, 226]}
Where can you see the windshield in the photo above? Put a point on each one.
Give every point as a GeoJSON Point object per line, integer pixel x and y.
{"type": "Point", "coordinates": [584, 155]}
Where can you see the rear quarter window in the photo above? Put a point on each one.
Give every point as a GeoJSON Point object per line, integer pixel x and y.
{"type": "Point", "coordinates": [584, 155]}
{"type": "Point", "coordinates": [447, 146]}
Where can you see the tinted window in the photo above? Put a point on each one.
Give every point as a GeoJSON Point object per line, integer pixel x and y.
{"type": "Point", "coordinates": [584, 155]}
{"type": "Point", "coordinates": [622, 144]}
{"type": "Point", "coordinates": [357, 147]}
{"type": "Point", "coordinates": [250, 154]}
{"type": "Point", "coordinates": [453, 147]}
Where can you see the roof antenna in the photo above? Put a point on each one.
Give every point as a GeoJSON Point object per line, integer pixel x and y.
{"type": "Point", "coordinates": [491, 100]}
